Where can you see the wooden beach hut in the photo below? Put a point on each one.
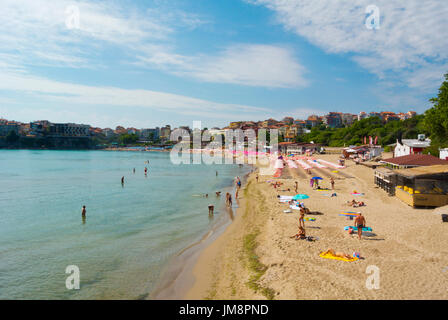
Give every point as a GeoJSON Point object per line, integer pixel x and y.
{"type": "Point", "coordinates": [386, 179]}
{"type": "Point", "coordinates": [425, 186]}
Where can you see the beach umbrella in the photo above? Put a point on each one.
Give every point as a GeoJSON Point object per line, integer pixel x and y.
{"type": "Point", "coordinates": [317, 178]}
{"type": "Point", "coordinates": [300, 197]}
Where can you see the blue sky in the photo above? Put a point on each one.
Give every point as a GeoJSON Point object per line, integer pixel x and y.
{"type": "Point", "coordinates": [150, 63]}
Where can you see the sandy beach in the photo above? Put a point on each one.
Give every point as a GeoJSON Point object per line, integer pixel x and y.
{"type": "Point", "coordinates": [255, 258]}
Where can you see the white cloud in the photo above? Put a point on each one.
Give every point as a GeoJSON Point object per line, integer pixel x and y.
{"type": "Point", "coordinates": [65, 93]}
{"type": "Point", "coordinates": [244, 64]}
{"type": "Point", "coordinates": [34, 32]}
{"type": "Point", "coordinates": [412, 34]}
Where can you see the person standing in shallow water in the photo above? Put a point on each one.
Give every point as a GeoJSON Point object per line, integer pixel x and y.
{"type": "Point", "coordinates": [83, 214]}
{"type": "Point", "coordinates": [122, 181]}
{"type": "Point", "coordinates": [210, 210]}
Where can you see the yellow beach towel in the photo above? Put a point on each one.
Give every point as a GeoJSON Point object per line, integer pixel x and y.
{"type": "Point", "coordinates": [328, 255]}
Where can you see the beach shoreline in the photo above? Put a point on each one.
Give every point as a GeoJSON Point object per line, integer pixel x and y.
{"type": "Point", "coordinates": [407, 245]}
{"type": "Point", "coordinates": [177, 277]}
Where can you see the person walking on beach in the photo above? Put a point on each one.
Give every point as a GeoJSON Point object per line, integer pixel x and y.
{"type": "Point", "coordinates": [360, 222]}
{"type": "Point", "coordinates": [332, 183]}
{"type": "Point", "coordinates": [312, 183]}
{"type": "Point", "coordinates": [296, 186]}
{"type": "Point", "coordinates": [256, 177]}
{"type": "Point", "coordinates": [302, 217]}
{"type": "Point", "coordinates": [230, 200]}
{"type": "Point", "coordinates": [237, 182]}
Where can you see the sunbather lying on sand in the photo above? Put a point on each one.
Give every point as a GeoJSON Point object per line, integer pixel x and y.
{"type": "Point", "coordinates": [356, 204]}
{"type": "Point", "coordinates": [301, 234]}
{"type": "Point", "coordinates": [276, 184]}
{"type": "Point", "coordinates": [359, 204]}
{"type": "Point", "coordinates": [338, 254]}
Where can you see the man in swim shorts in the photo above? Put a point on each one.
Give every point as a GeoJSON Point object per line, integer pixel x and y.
{"type": "Point", "coordinates": [360, 222]}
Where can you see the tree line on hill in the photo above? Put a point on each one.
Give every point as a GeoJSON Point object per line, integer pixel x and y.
{"type": "Point", "coordinates": [433, 123]}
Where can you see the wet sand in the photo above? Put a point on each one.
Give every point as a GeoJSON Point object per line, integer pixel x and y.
{"type": "Point", "coordinates": [255, 258]}
{"type": "Point", "coordinates": [177, 278]}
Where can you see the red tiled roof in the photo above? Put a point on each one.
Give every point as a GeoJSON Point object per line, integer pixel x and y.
{"type": "Point", "coordinates": [416, 160]}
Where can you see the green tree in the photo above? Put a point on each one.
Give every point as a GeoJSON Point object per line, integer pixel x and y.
{"type": "Point", "coordinates": [436, 118]}
{"type": "Point", "coordinates": [12, 137]}
{"type": "Point", "coordinates": [128, 138]}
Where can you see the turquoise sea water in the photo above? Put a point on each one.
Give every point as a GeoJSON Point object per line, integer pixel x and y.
{"type": "Point", "coordinates": [129, 235]}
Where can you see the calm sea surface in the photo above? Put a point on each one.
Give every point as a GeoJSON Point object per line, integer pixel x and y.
{"type": "Point", "coordinates": [129, 235]}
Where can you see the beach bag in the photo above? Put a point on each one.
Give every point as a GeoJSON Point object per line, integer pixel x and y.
{"type": "Point", "coordinates": [445, 217]}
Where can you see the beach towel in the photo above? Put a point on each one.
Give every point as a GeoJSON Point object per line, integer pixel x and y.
{"type": "Point", "coordinates": [310, 219]}
{"type": "Point", "coordinates": [356, 228]}
{"type": "Point", "coordinates": [328, 255]}
{"type": "Point", "coordinates": [357, 194]}
{"type": "Point", "coordinates": [350, 213]}
{"type": "Point", "coordinates": [284, 199]}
